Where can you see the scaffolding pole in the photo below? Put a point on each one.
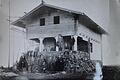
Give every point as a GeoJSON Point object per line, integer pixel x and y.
{"type": "Point", "coordinates": [9, 36]}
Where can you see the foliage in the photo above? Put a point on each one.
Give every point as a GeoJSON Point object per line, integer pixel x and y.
{"type": "Point", "coordinates": [51, 62]}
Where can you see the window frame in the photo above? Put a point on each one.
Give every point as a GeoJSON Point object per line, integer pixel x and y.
{"type": "Point", "coordinates": [56, 20]}
{"type": "Point", "coordinates": [42, 21]}
{"type": "Point", "coordinates": [91, 47]}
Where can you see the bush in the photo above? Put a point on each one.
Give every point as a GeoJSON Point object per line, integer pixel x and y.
{"type": "Point", "coordinates": [69, 61]}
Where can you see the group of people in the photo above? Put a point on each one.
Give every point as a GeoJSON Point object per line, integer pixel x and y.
{"type": "Point", "coordinates": [61, 43]}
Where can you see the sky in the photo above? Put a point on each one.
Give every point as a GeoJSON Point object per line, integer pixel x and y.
{"type": "Point", "coordinates": [114, 30]}
{"type": "Point", "coordinates": [103, 12]}
{"type": "Point", "coordinates": [95, 9]}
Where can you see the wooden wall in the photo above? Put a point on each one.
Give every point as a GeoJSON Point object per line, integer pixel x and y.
{"type": "Point", "coordinates": [66, 26]}
{"type": "Point", "coordinates": [95, 39]}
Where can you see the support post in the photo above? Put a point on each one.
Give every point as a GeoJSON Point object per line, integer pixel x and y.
{"type": "Point", "coordinates": [89, 47]}
{"type": "Point", "coordinates": [41, 44]}
{"type": "Point", "coordinates": [56, 38]}
{"type": "Point", "coordinates": [75, 44]}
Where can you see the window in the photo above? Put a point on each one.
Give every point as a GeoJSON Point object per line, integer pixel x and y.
{"type": "Point", "coordinates": [82, 45]}
{"type": "Point", "coordinates": [42, 21]}
{"type": "Point", "coordinates": [91, 46]}
{"type": "Point", "coordinates": [56, 19]}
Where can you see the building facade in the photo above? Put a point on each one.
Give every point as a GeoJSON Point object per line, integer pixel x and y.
{"type": "Point", "coordinates": [47, 25]}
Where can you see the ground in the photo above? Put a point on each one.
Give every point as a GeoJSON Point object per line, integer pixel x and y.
{"type": "Point", "coordinates": [39, 76]}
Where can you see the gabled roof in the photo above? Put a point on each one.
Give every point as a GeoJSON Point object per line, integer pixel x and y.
{"type": "Point", "coordinates": [85, 20]}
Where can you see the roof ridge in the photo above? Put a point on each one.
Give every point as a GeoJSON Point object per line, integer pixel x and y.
{"type": "Point", "coordinates": [42, 1]}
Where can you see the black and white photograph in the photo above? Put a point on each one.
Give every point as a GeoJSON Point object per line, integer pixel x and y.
{"type": "Point", "coordinates": [59, 40]}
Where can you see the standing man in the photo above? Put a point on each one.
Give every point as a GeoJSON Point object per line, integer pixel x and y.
{"type": "Point", "coordinates": [72, 41]}
{"type": "Point", "coordinates": [60, 42]}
